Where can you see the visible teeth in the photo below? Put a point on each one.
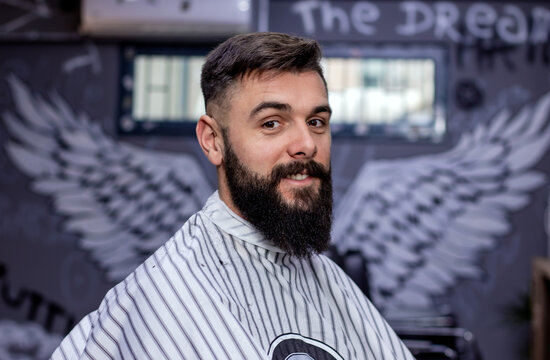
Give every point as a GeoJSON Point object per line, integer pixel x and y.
{"type": "Point", "coordinates": [298, 177]}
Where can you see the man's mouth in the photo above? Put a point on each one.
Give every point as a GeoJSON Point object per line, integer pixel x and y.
{"type": "Point", "coordinates": [301, 173]}
{"type": "Point", "coordinates": [298, 176]}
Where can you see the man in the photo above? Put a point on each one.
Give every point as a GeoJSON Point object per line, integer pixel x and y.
{"type": "Point", "coordinates": [244, 277]}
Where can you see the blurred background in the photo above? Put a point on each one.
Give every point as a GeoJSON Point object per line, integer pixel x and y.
{"type": "Point", "coordinates": [441, 136]}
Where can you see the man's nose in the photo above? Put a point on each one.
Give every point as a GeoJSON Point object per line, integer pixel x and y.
{"type": "Point", "coordinates": [302, 143]}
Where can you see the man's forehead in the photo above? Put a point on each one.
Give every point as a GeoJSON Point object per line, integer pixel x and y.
{"type": "Point", "coordinates": [268, 83]}
{"type": "Point", "coordinates": [267, 76]}
{"type": "Point", "coordinates": [253, 84]}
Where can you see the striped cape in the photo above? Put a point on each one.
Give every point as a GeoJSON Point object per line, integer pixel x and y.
{"type": "Point", "coordinates": [218, 290]}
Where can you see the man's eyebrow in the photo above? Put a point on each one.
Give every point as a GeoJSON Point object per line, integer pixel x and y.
{"type": "Point", "coordinates": [286, 107]}
{"type": "Point", "coordinates": [270, 105]}
{"type": "Point", "coordinates": [322, 109]}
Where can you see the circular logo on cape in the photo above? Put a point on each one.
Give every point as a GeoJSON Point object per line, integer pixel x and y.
{"type": "Point", "coordinates": [298, 347]}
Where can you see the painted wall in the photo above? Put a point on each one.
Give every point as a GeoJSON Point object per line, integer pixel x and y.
{"type": "Point", "coordinates": [453, 224]}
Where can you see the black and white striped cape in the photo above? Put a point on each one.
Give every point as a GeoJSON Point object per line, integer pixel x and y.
{"type": "Point", "coordinates": [217, 290]}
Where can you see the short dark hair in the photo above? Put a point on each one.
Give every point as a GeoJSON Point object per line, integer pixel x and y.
{"type": "Point", "coordinates": [245, 54]}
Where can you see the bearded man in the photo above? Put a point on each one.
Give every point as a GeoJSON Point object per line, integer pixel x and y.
{"type": "Point", "coordinates": [245, 278]}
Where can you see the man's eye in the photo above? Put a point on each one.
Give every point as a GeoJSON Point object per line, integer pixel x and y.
{"type": "Point", "coordinates": [316, 122]}
{"type": "Point", "coordinates": [272, 124]}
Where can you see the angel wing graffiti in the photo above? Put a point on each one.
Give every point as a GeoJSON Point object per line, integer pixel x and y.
{"type": "Point", "coordinates": [26, 341]}
{"type": "Point", "coordinates": [123, 201]}
{"type": "Point", "coordinates": [422, 223]}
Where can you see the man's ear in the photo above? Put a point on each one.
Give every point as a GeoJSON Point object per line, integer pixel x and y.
{"type": "Point", "coordinates": [210, 140]}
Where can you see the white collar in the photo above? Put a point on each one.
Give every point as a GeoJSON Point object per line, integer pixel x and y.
{"type": "Point", "coordinates": [233, 224]}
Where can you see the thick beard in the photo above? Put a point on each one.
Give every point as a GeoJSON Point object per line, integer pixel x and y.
{"type": "Point", "coordinates": [302, 228]}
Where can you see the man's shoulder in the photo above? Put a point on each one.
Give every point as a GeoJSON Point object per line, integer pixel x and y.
{"type": "Point", "coordinates": [176, 253]}
{"type": "Point", "coordinates": [191, 237]}
{"type": "Point", "coordinates": [172, 269]}
{"type": "Point", "coordinates": [327, 261]}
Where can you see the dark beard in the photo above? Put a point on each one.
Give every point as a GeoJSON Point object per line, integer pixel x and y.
{"type": "Point", "coordinates": [301, 229]}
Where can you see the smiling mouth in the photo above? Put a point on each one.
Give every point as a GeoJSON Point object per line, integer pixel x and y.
{"type": "Point", "coordinates": [298, 176]}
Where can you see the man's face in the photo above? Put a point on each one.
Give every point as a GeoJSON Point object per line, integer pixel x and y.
{"type": "Point", "coordinates": [278, 119]}
{"type": "Point", "coordinates": [277, 160]}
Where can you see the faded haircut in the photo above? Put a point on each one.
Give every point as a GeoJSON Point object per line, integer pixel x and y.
{"type": "Point", "coordinates": [255, 53]}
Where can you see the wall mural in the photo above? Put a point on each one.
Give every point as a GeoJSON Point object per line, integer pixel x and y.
{"type": "Point", "coordinates": [445, 20]}
{"type": "Point", "coordinates": [31, 339]}
{"type": "Point", "coordinates": [90, 59]}
{"type": "Point", "coordinates": [422, 223]}
{"type": "Point", "coordinates": [39, 19]}
{"type": "Point", "coordinates": [26, 341]}
{"type": "Point", "coordinates": [29, 12]}
{"type": "Point", "coordinates": [36, 307]}
{"type": "Point", "coordinates": [484, 34]}
{"type": "Point", "coordinates": [122, 201]}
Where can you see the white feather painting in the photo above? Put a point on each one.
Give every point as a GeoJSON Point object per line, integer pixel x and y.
{"type": "Point", "coordinates": [422, 223]}
{"type": "Point", "coordinates": [122, 201]}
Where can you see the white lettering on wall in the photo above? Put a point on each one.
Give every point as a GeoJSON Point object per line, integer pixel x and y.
{"type": "Point", "coordinates": [331, 15]}
{"type": "Point", "coordinates": [481, 20]}
{"type": "Point", "coordinates": [447, 16]}
{"type": "Point", "coordinates": [418, 18]}
{"type": "Point", "coordinates": [362, 14]}
{"type": "Point", "coordinates": [305, 10]}
{"type": "Point", "coordinates": [541, 25]}
{"type": "Point", "coordinates": [512, 28]}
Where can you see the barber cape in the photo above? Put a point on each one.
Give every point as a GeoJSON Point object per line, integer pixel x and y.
{"type": "Point", "coordinates": [218, 290]}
